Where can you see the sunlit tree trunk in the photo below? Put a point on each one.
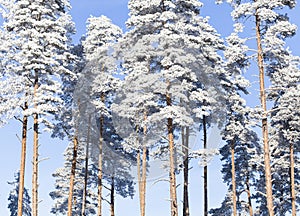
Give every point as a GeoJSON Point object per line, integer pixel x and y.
{"type": "Point", "coordinates": [23, 161]}
{"type": "Point", "coordinates": [185, 149]}
{"type": "Point", "coordinates": [249, 196]}
{"type": "Point", "coordinates": [173, 194]}
{"type": "Point", "coordinates": [292, 179]}
{"type": "Point", "coordinates": [267, 160]}
{"type": "Point", "coordinates": [205, 175]}
{"type": "Point", "coordinates": [72, 177]}
{"type": "Point", "coordinates": [100, 162]}
{"type": "Point", "coordinates": [233, 179]}
{"type": "Point", "coordinates": [35, 160]}
{"type": "Point", "coordinates": [144, 172]}
{"type": "Point", "coordinates": [86, 168]}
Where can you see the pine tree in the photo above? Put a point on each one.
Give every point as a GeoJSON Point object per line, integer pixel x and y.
{"type": "Point", "coordinates": [238, 168]}
{"type": "Point", "coordinates": [271, 29]}
{"type": "Point", "coordinates": [13, 198]}
{"type": "Point", "coordinates": [171, 53]}
{"type": "Point", "coordinates": [38, 63]}
{"type": "Point", "coordinates": [101, 34]}
{"type": "Point", "coordinates": [61, 193]}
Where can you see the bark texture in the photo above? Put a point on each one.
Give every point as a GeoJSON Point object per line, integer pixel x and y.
{"type": "Point", "coordinates": [185, 149]}
{"type": "Point", "coordinates": [72, 177]}
{"type": "Point", "coordinates": [267, 160]}
{"type": "Point", "coordinates": [86, 168]}
{"type": "Point", "coordinates": [23, 161]}
{"type": "Point", "coordinates": [233, 179]}
{"type": "Point", "coordinates": [173, 194]}
{"type": "Point", "coordinates": [35, 160]}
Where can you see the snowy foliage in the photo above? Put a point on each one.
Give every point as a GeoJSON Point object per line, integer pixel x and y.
{"type": "Point", "coordinates": [13, 198]}
{"type": "Point", "coordinates": [36, 50]}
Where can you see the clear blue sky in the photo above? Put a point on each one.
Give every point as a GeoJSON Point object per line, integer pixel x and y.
{"type": "Point", "coordinates": [157, 204]}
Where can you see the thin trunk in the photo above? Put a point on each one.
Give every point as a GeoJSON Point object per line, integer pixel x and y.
{"type": "Point", "coordinates": [267, 160]}
{"type": "Point", "coordinates": [292, 179]}
{"type": "Point", "coordinates": [143, 185]}
{"type": "Point", "coordinates": [100, 162]}
{"type": "Point", "coordinates": [144, 171]}
{"type": "Point", "coordinates": [72, 177]}
{"type": "Point", "coordinates": [173, 195]}
{"type": "Point", "coordinates": [249, 196]}
{"type": "Point", "coordinates": [23, 161]}
{"type": "Point", "coordinates": [86, 167]}
{"type": "Point", "coordinates": [138, 158]}
{"type": "Point", "coordinates": [35, 159]}
{"type": "Point", "coordinates": [205, 168]}
{"type": "Point", "coordinates": [112, 197]}
{"type": "Point", "coordinates": [185, 149]}
{"type": "Point", "coordinates": [233, 179]}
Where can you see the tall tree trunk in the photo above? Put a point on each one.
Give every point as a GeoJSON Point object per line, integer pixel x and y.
{"type": "Point", "coordinates": [173, 194]}
{"type": "Point", "coordinates": [292, 179]}
{"type": "Point", "coordinates": [249, 196]}
{"type": "Point", "coordinates": [35, 160]}
{"type": "Point", "coordinates": [144, 171]}
{"type": "Point", "coordinates": [112, 197]}
{"type": "Point", "coordinates": [86, 168]}
{"type": "Point", "coordinates": [185, 150]}
{"type": "Point", "coordinates": [205, 168]}
{"type": "Point", "coordinates": [100, 161]}
{"type": "Point", "coordinates": [138, 159]}
{"type": "Point", "coordinates": [23, 161]}
{"type": "Point", "coordinates": [233, 179]}
{"type": "Point", "coordinates": [267, 160]}
{"type": "Point", "coordinates": [143, 185]}
{"type": "Point", "coordinates": [72, 177]}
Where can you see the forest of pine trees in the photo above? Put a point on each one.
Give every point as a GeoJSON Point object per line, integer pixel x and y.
{"type": "Point", "coordinates": [122, 99]}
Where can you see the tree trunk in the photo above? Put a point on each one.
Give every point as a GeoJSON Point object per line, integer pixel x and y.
{"type": "Point", "coordinates": [292, 179]}
{"type": "Point", "coordinates": [205, 168]}
{"type": "Point", "coordinates": [144, 171]}
{"type": "Point", "coordinates": [143, 185]}
{"type": "Point", "coordinates": [100, 161]}
{"type": "Point", "coordinates": [185, 150]}
{"type": "Point", "coordinates": [233, 179]}
{"type": "Point", "coordinates": [86, 168]}
{"type": "Point", "coordinates": [35, 160]}
{"type": "Point", "coordinates": [249, 196]}
{"type": "Point", "coordinates": [138, 159]}
{"type": "Point", "coordinates": [72, 177]}
{"type": "Point", "coordinates": [23, 161]}
{"type": "Point", "coordinates": [267, 160]}
{"type": "Point", "coordinates": [112, 197]}
{"type": "Point", "coordinates": [173, 195]}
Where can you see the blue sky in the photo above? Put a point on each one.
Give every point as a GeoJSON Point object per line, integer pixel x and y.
{"type": "Point", "coordinates": [157, 204]}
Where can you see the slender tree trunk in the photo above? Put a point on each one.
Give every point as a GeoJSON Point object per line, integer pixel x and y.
{"type": "Point", "coordinates": [143, 185]}
{"type": "Point", "coordinates": [205, 168]}
{"type": "Point", "coordinates": [233, 179]}
{"type": "Point", "coordinates": [112, 197]}
{"type": "Point", "coordinates": [72, 177]}
{"type": "Point", "coordinates": [144, 172]}
{"type": "Point", "coordinates": [185, 150]}
{"type": "Point", "coordinates": [138, 159]}
{"type": "Point", "coordinates": [292, 179]}
{"type": "Point", "coordinates": [23, 161]}
{"type": "Point", "coordinates": [173, 194]}
{"type": "Point", "coordinates": [100, 161]}
{"type": "Point", "coordinates": [249, 196]}
{"type": "Point", "coordinates": [267, 160]}
{"type": "Point", "coordinates": [86, 168]}
{"type": "Point", "coordinates": [35, 160]}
